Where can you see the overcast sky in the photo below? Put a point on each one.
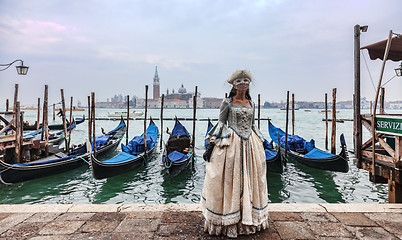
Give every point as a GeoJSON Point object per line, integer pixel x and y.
{"type": "Point", "coordinates": [112, 47]}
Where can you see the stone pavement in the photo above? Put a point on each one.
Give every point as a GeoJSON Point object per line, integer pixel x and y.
{"type": "Point", "coordinates": [184, 221]}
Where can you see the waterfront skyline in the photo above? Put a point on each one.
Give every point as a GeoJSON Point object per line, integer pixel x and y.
{"type": "Point", "coordinates": [305, 47]}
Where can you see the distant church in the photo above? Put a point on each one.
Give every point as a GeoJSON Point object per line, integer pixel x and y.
{"type": "Point", "coordinates": [180, 95]}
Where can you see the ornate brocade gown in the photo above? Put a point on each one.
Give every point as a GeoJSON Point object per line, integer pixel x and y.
{"type": "Point", "coordinates": [235, 194]}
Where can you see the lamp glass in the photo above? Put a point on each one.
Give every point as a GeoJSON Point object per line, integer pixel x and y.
{"type": "Point", "coordinates": [22, 70]}
{"type": "Point", "coordinates": [398, 71]}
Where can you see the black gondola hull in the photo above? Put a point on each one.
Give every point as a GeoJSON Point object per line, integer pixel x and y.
{"type": "Point", "coordinates": [102, 170]}
{"type": "Point", "coordinates": [275, 164]}
{"type": "Point", "coordinates": [10, 174]}
{"type": "Point", "coordinates": [337, 163]}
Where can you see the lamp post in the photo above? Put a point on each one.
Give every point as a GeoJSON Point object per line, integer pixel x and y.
{"type": "Point", "coordinates": [21, 70]}
{"type": "Point", "coordinates": [357, 129]}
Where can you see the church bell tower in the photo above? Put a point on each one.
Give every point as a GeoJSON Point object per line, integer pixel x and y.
{"type": "Point", "coordinates": [156, 85]}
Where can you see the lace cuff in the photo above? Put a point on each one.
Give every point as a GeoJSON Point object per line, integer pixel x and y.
{"type": "Point", "coordinates": [219, 135]}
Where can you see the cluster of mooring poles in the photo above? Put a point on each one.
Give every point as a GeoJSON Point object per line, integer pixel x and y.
{"type": "Point", "coordinates": [381, 154]}
{"type": "Point", "coordinates": [17, 148]}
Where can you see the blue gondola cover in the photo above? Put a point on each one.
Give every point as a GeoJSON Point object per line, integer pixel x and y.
{"type": "Point", "coordinates": [176, 156]}
{"type": "Point", "coordinates": [317, 153]}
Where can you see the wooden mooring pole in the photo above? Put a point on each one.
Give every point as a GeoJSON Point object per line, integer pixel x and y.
{"type": "Point", "coordinates": [63, 108]}
{"type": "Point", "coordinates": [259, 110]}
{"type": "Point", "coordinates": [54, 111]}
{"type": "Point", "coordinates": [70, 123]}
{"type": "Point", "coordinates": [45, 127]}
{"type": "Point", "coordinates": [161, 131]}
{"type": "Point", "coordinates": [38, 118]}
{"type": "Point", "coordinates": [93, 122]}
{"type": "Point", "coordinates": [89, 123]}
{"type": "Point", "coordinates": [326, 121]}
{"type": "Point", "coordinates": [128, 117]}
{"type": "Point", "coordinates": [287, 123]}
{"type": "Point", "coordinates": [333, 135]}
{"type": "Point", "coordinates": [293, 114]}
{"type": "Point", "coordinates": [18, 132]}
{"type": "Point", "coordinates": [7, 105]}
{"type": "Point", "coordinates": [145, 120]}
{"type": "Point", "coordinates": [382, 101]}
{"type": "Point", "coordinates": [194, 120]}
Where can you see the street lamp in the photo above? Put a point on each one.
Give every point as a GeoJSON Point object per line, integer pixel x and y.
{"type": "Point", "coordinates": [398, 71]}
{"type": "Point", "coordinates": [21, 70]}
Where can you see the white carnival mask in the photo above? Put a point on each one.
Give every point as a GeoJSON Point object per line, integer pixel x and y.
{"type": "Point", "coordinates": [239, 81]}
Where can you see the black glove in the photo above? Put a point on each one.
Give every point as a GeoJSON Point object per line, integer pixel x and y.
{"type": "Point", "coordinates": [208, 152]}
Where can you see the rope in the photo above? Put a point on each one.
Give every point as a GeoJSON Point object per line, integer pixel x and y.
{"type": "Point", "coordinates": [166, 161]}
{"type": "Point", "coordinates": [193, 156]}
{"type": "Point", "coordinates": [372, 82]}
{"type": "Point", "coordinates": [145, 159]}
{"type": "Point", "coordinates": [83, 160]}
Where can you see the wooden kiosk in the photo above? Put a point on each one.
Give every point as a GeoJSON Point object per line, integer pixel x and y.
{"type": "Point", "coordinates": [381, 153]}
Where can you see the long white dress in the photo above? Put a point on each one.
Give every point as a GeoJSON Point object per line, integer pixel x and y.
{"type": "Point", "coordinates": [235, 194]}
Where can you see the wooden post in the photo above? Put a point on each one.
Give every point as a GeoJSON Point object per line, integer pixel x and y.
{"type": "Point", "coordinates": [7, 105]}
{"type": "Point", "coordinates": [89, 123]}
{"type": "Point", "coordinates": [259, 114]}
{"type": "Point", "coordinates": [382, 101]}
{"type": "Point", "coordinates": [15, 100]}
{"type": "Point", "coordinates": [357, 134]}
{"type": "Point", "coordinates": [15, 96]}
{"type": "Point", "coordinates": [18, 132]}
{"type": "Point", "coordinates": [293, 114]}
{"type": "Point", "coordinates": [145, 119]}
{"type": "Point", "coordinates": [326, 122]}
{"type": "Point", "coordinates": [70, 123]}
{"type": "Point", "coordinates": [128, 118]}
{"type": "Point", "coordinates": [375, 104]}
{"type": "Point", "coordinates": [194, 119]}
{"type": "Point", "coordinates": [38, 118]}
{"type": "Point", "coordinates": [63, 108]}
{"type": "Point", "coordinates": [287, 123]}
{"type": "Point", "coordinates": [93, 122]}
{"type": "Point", "coordinates": [54, 112]}
{"type": "Point", "coordinates": [162, 103]}
{"type": "Point", "coordinates": [333, 135]}
{"type": "Point", "coordinates": [45, 127]}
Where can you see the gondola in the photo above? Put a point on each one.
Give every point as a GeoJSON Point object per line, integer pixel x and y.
{"type": "Point", "coordinates": [274, 160]}
{"type": "Point", "coordinates": [209, 127]}
{"type": "Point", "coordinates": [53, 126]}
{"type": "Point", "coordinates": [131, 157]}
{"type": "Point", "coordinates": [309, 155]}
{"type": "Point", "coordinates": [60, 162]}
{"type": "Point", "coordinates": [178, 153]}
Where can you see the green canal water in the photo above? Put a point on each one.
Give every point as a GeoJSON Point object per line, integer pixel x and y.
{"type": "Point", "coordinates": [152, 184]}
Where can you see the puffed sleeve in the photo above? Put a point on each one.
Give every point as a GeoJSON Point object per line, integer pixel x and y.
{"type": "Point", "coordinates": [220, 133]}
{"type": "Point", "coordinates": [255, 128]}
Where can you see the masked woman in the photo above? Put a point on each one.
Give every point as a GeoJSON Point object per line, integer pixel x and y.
{"type": "Point", "coordinates": [234, 198]}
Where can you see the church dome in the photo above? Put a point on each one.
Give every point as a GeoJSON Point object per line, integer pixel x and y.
{"type": "Point", "coordinates": [182, 89]}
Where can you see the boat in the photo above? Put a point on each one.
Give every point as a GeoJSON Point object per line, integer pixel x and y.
{"type": "Point", "coordinates": [209, 127]}
{"type": "Point", "coordinates": [124, 114]}
{"type": "Point", "coordinates": [178, 152]}
{"type": "Point", "coordinates": [74, 109]}
{"type": "Point", "coordinates": [60, 162]}
{"type": "Point", "coordinates": [273, 158]}
{"type": "Point", "coordinates": [131, 157]}
{"type": "Point", "coordinates": [308, 154]}
{"type": "Point", "coordinates": [328, 111]}
{"type": "Point", "coordinates": [60, 126]}
{"type": "Point", "coordinates": [275, 162]}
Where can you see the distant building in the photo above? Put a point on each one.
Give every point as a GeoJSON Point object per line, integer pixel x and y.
{"type": "Point", "coordinates": [210, 102]}
{"type": "Point", "coordinates": [156, 85]}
